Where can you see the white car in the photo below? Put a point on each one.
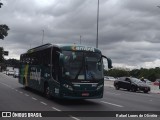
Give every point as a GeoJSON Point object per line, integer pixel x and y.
{"type": "Point", "coordinates": [109, 78]}
{"type": "Point", "coordinates": [16, 74]}
{"type": "Point", "coordinates": [10, 72]}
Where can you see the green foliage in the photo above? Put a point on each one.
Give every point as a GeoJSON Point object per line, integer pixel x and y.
{"type": "Point", "coordinates": [3, 28]}
{"type": "Point", "coordinates": [3, 31]}
{"type": "Point", "coordinates": [151, 74]}
{"type": "Point", "coordinates": [1, 4]}
{"type": "Point", "coordinates": [1, 55]}
{"type": "Point", "coordinates": [12, 63]}
{"type": "Point", "coordinates": [117, 72]}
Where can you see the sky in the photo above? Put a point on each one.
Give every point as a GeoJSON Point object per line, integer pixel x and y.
{"type": "Point", "coordinates": [129, 30]}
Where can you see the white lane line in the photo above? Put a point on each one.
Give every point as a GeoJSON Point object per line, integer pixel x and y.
{"type": "Point", "coordinates": [26, 95]}
{"type": "Point", "coordinates": [16, 90]}
{"type": "Point", "coordinates": [34, 98]}
{"type": "Point", "coordinates": [9, 86]}
{"type": "Point", "coordinates": [43, 103]}
{"type": "Point", "coordinates": [113, 93]}
{"type": "Point", "coordinates": [74, 117]}
{"type": "Point", "coordinates": [21, 92]}
{"type": "Point", "coordinates": [112, 104]}
{"type": "Point", "coordinates": [55, 109]}
{"type": "Point", "coordinates": [5, 84]}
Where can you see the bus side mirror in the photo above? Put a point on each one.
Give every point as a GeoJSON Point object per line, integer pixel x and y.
{"type": "Point", "coordinates": [109, 61]}
{"type": "Point", "coordinates": [61, 58]}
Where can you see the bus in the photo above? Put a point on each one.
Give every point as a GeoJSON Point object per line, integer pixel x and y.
{"type": "Point", "coordinates": [64, 71]}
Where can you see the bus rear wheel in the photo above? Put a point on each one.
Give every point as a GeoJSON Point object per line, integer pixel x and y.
{"type": "Point", "coordinates": [47, 91]}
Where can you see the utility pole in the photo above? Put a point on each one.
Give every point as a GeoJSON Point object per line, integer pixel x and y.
{"type": "Point", "coordinates": [159, 80]}
{"type": "Point", "coordinates": [97, 24]}
{"type": "Point", "coordinates": [42, 36]}
{"type": "Point", "coordinates": [80, 39]}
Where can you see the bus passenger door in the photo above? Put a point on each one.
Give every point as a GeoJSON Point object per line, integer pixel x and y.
{"type": "Point", "coordinates": [55, 74]}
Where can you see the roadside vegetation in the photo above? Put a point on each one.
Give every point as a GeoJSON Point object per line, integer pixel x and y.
{"type": "Point", "coordinates": [151, 74]}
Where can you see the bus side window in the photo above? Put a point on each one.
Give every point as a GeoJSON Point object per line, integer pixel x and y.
{"type": "Point", "coordinates": [53, 65]}
{"type": "Point", "coordinates": [46, 57]}
{"type": "Point", "coordinates": [56, 66]}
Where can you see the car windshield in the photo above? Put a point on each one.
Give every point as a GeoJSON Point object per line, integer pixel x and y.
{"type": "Point", "coordinates": [82, 65]}
{"type": "Point", "coordinates": [135, 80]}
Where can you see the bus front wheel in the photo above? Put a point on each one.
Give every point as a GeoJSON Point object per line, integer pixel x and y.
{"type": "Point", "coordinates": [47, 91]}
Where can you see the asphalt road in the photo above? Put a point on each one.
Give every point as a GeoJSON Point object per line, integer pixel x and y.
{"type": "Point", "coordinates": [13, 97]}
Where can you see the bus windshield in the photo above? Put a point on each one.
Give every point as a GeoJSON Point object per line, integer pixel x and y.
{"type": "Point", "coordinates": [82, 65]}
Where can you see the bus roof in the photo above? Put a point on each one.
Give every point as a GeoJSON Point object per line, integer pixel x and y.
{"type": "Point", "coordinates": [67, 47]}
{"type": "Point", "coordinates": [74, 47]}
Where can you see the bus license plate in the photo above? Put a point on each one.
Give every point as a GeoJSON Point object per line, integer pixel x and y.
{"type": "Point", "coordinates": [85, 94]}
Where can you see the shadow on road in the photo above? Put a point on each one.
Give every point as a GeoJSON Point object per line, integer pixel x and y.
{"type": "Point", "coordinates": [66, 102]}
{"type": "Point", "coordinates": [133, 91]}
{"type": "Point", "coordinates": [70, 102]}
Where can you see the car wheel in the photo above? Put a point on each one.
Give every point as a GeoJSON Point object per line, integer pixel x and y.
{"type": "Point", "coordinates": [117, 87]}
{"type": "Point", "coordinates": [133, 89]}
{"type": "Point", "coordinates": [128, 89]}
{"type": "Point", "coordinates": [145, 91]}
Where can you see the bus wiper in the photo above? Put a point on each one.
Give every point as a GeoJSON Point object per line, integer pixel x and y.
{"type": "Point", "coordinates": [79, 70]}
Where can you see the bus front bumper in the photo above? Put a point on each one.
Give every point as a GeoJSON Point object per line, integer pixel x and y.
{"type": "Point", "coordinates": [82, 94]}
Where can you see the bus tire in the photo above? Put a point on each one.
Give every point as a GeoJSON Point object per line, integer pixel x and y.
{"type": "Point", "coordinates": [47, 91]}
{"type": "Point", "coordinates": [24, 84]}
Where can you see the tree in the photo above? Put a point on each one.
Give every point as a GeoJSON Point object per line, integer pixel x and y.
{"type": "Point", "coordinates": [117, 72]}
{"type": "Point", "coordinates": [1, 4]}
{"type": "Point", "coordinates": [1, 55]}
{"type": "Point", "coordinates": [3, 31]}
{"type": "Point", "coordinates": [12, 63]}
{"type": "Point", "coordinates": [3, 28]}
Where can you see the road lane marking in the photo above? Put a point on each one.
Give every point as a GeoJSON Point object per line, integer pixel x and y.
{"type": "Point", "coordinates": [21, 92]}
{"type": "Point", "coordinates": [43, 103]}
{"type": "Point", "coordinates": [8, 86]}
{"type": "Point", "coordinates": [112, 104]}
{"type": "Point", "coordinates": [16, 90]}
{"type": "Point", "coordinates": [34, 98]}
{"type": "Point", "coordinates": [26, 95]}
{"type": "Point", "coordinates": [74, 117]}
{"type": "Point", "coordinates": [55, 109]}
{"type": "Point", "coordinates": [5, 84]}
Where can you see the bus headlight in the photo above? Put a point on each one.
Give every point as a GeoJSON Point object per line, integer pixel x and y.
{"type": "Point", "coordinates": [68, 87]}
{"type": "Point", "coordinates": [99, 87]}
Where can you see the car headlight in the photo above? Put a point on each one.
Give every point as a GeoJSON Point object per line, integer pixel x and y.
{"type": "Point", "coordinates": [99, 87]}
{"type": "Point", "coordinates": [68, 87]}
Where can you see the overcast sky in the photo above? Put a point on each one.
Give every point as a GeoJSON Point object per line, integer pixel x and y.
{"type": "Point", "coordinates": [129, 30]}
